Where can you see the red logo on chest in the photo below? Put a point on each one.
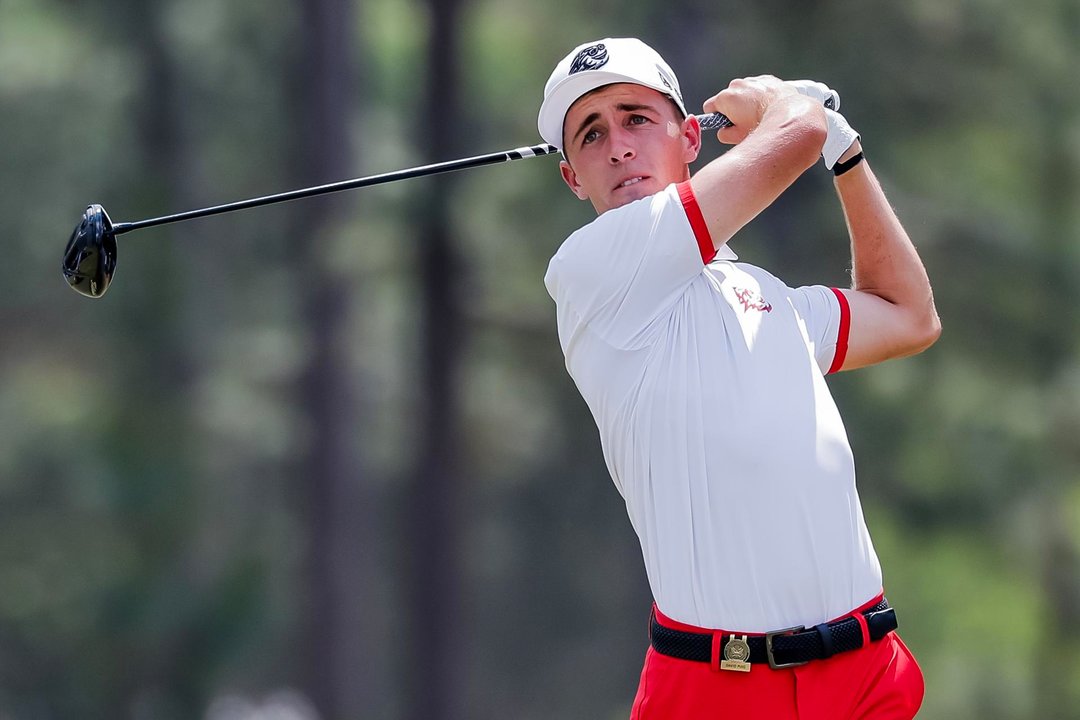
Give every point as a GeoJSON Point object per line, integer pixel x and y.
{"type": "Point", "coordinates": [752, 301]}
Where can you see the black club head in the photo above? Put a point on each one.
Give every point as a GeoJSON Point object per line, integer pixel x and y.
{"type": "Point", "coordinates": [90, 257]}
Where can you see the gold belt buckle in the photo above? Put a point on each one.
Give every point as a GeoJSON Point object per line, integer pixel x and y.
{"type": "Point", "coordinates": [769, 650]}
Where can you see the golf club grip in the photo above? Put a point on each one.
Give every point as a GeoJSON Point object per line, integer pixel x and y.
{"type": "Point", "coordinates": [714, 121]}
{"type": "Point", "coordinates": [719, 121]}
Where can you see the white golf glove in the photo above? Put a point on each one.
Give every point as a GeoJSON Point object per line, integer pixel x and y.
{"type": "Point", "coordinates": [818, 91]}
{"type": "Point", "coordinates": [840, 138]}
{"type": "Point", "coordinates": [841, 134]}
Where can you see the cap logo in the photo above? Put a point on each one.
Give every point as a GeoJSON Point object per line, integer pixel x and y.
{"type": "Point", "coordinates": [591, 58]}
{"type": "Point", "coordinates": [668, 83]}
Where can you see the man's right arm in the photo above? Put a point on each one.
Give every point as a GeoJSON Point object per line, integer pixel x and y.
{"type": "Point", "coordinates": [778, 133]}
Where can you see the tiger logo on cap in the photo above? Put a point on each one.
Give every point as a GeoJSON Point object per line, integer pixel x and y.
{"type": "Point", "coordinates": [669, 82]}
{"type": "Point", "coordinates": [591, 58]}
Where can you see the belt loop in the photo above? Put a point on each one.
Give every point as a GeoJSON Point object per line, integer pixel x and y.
{"type": "Point", "coordinates": [714, 656]}
{"type": "Point", "coordinates": [826, 639]}
{"type": "Point", "coordinates": [864, 628]}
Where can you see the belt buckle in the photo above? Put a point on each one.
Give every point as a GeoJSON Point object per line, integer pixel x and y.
{"type": "Point", "coordinates": [769, 649]}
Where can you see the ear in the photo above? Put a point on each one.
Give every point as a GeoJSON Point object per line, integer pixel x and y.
{"type": "Point", "coordinates": [691, 137]}
{"type": "Point", "coordinates": [570, 178]}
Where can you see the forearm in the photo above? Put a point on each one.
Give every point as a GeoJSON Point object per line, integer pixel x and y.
{"type": "Point", "coordinates": [736, 187]}
{"type": "Point", "coordinates": [884, 260]}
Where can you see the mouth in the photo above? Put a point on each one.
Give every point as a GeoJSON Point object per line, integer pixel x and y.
{"type": "Point", "coordinates": [631, 181]}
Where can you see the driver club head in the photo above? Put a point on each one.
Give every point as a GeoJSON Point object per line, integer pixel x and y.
{"type": "Point", "coordinates": [90, 257]}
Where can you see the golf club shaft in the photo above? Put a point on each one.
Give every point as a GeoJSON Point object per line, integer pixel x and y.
{"type": "Point", "coordinates": [462, 164]}
{"type": "Point", "coordinates": [715, 121]}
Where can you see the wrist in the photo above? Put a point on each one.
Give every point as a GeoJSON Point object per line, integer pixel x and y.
{"type": "Point", "coordinates": [855, 149]}
{"type": "Point", "coordinates": [843, 166]}
{"type": "Point", "coordinates": [840, 139]}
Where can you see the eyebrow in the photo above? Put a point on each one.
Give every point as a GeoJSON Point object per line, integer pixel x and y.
{"type": "Point", "coordinates": [621, 107]}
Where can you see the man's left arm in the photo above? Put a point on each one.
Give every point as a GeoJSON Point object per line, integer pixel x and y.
{"type": "Point", "coordinates": [891, 305]}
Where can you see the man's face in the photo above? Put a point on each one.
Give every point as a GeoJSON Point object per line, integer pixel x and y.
{"type": "Point", "coordinates": [624, 142]}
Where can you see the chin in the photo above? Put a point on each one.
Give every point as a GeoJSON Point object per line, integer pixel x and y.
{"type": "Point", "coordinates": [631, 194]}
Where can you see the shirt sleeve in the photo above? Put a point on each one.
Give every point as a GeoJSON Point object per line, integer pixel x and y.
{"type": "Point", "coordinates": [627, 268]}
{"type": "Point", "coordinates": [826, 317]}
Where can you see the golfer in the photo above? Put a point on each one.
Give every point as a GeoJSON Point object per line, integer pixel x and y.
{"type": "Point", "coordinates": [706, 379]}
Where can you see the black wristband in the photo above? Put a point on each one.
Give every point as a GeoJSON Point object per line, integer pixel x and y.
{"type": "Point", "coordinates": [842, 167]}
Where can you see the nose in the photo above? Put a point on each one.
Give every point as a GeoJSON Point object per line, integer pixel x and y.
{"type": "Point", "coordinates": [621, 147]}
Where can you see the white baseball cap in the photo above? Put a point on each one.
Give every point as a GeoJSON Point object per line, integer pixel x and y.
{"type": "Point", "coordinates": [598, 63]}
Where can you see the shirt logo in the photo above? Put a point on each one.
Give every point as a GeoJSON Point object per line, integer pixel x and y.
{"type": "Point", "coordinates": [591, 58]}
{"type": "Point", "coordinates": [750, 300]}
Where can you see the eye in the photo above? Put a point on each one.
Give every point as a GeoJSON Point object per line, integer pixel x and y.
{"type": "Point", "coordinates": [638, 120]}
{"type": "Point", "coordinates": [590, 136]}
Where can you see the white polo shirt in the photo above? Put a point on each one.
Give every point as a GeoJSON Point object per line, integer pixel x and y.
{"type": "Point", "coordinates": [706, 380]}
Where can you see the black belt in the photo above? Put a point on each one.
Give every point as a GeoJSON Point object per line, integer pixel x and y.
{"type": "Point", "coordinates": [784, 648]}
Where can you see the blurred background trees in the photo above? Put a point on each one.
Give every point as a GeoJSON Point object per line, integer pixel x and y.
{"type": "Point", "coordinates": [322, 460]}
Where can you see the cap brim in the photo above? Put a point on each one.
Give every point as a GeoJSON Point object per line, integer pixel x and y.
{"type": "Point", "coordinates": [569, 90]}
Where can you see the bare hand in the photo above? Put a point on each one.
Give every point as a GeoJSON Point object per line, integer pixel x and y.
{"type": "Point", "coordinates": [745, 101]}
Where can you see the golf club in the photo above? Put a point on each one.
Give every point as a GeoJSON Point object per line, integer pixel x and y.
{"type": "Point", "coordinates": [90, 257]}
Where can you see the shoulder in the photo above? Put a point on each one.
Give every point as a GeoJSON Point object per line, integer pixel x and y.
{"type": "Point", "coordinates": [622, 230]}
{"type": "Point", "coordinates": [760, 276]}
{"type": "Point", "coordinates": [746, 279]}
{"type": "Point", "coordinates": [630, 217]}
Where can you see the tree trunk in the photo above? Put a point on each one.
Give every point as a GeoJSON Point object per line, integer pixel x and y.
{"type": "Point", "coordinates": [434, 585]}
{"type": "Point", "coordinates": [337, 670]}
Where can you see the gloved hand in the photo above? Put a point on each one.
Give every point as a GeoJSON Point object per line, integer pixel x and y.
{"type": "Point", "coordinates": [840, 137]}
{"type": "Point", "coordinates": [841, 134]}
{"type": "Point", "coordinates": [819, 91]}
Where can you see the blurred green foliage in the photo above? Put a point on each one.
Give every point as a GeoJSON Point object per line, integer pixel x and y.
{"type": "Point", "coordinates": [151, 542]}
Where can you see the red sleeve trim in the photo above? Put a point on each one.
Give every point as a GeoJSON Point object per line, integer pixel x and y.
{"type": "Point", "coordinates": [842, 333]}
{"type": "Point", "coordinates": [697, 222]}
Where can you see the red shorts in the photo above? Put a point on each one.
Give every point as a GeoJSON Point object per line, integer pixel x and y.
{"type": "Point", "coordinates": [880, 681]}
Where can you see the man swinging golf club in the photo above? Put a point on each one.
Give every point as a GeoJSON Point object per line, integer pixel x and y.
{"type": "Point", "coordinates": [705, 377]}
